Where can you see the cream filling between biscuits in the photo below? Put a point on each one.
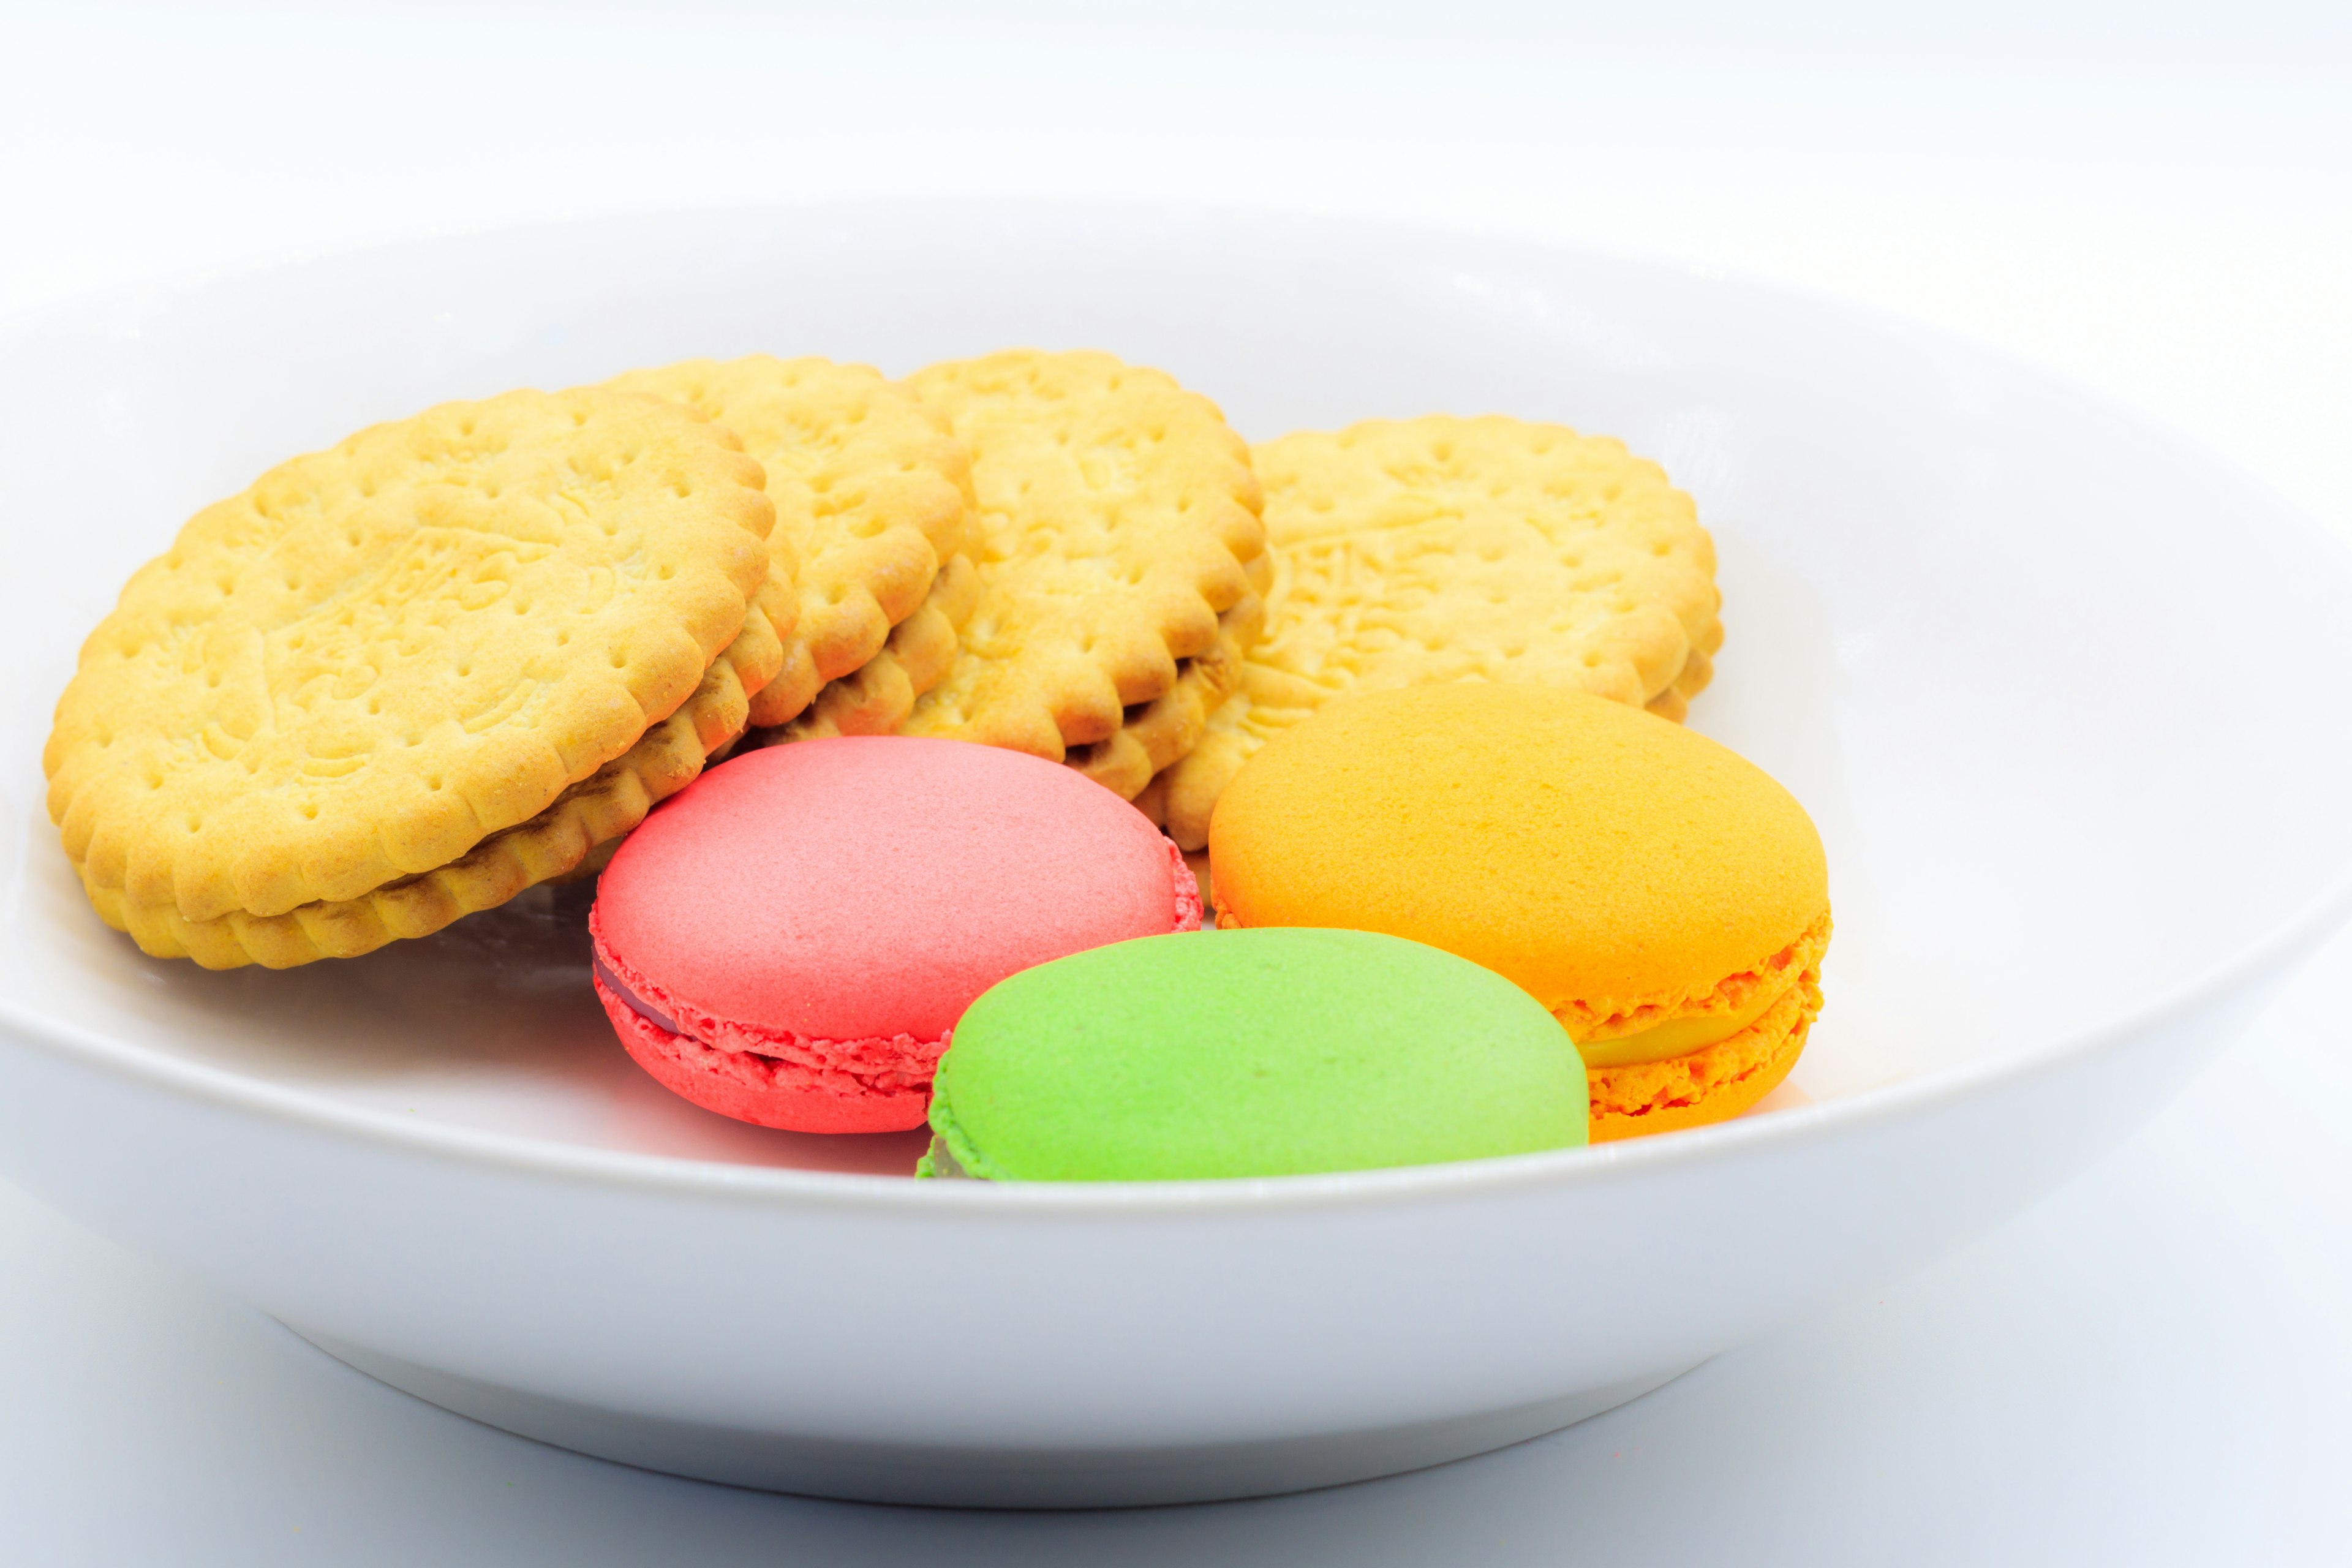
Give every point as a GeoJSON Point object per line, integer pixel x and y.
{"type": "Point", "coordinates": [1680, 1037]}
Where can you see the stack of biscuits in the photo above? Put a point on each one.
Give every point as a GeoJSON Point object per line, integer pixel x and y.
{"type": "Point", "coordinates": [463, 654]}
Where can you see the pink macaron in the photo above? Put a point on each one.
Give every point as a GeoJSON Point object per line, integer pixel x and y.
{"type": "Point", "coordinates": [789, 940]}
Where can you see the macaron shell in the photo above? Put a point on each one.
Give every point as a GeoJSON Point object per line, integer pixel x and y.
{"type": "Point", "coordinates": [861, 888]}
{"type": "Point", "coordinates": [1253, 1053]}
{"type": "Point", "coordinates": [1595, 854]}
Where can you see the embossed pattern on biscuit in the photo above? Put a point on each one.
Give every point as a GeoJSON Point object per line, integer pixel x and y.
{"type": "Point", "coordinates": [1423, 551]}
{"type": "Point", "coordinates": [573, 834]}
{"type": "Point", "coordinates": [382, 654]}
{"type": "Point", "coordinates": [872, 493]}
{"type": "Point", "coordinates": [1118, 514]}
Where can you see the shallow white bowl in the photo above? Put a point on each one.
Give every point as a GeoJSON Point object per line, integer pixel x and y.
{"type": "Point", "coordinates": [2068, 703]}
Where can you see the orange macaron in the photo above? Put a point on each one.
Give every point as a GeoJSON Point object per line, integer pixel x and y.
{"type": "Point", "coordinates": [1664, 897]}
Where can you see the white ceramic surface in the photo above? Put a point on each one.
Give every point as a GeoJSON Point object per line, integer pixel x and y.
{"type": "Point", "coordinates": [2067, 703]}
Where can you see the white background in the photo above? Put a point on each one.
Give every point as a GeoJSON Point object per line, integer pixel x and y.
{"type": "Point", "coordinates": [2152, 200]}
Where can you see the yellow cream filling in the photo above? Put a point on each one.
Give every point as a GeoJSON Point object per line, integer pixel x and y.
{"type": "Point", "coordinates": [1679, 1036]}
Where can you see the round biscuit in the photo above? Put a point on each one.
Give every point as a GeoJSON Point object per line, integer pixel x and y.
{"type": "Point", "coordinates": [1117, 520]}
{"type": "Point", "coordinates": [872, 494]}
{"type": "Point", "coordinates": [1423, 551]}
{"type": "Point", "coordinates": [875, 698]}
{"type": "Point", "coordinates": [571, 838]}
{"type": "Point", "coordinates": [382, 654]}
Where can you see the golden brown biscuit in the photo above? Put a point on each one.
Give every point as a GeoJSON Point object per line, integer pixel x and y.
{"type": "Point", "coordinates": [871, 493]}
{"type": "Point", "coordinates": [1117, 515]}
{"type": "Point", "coordinates": [875, 698]}
{"type": "Point", "coordinates": [1437, 550]}
{"type": "Point", "coordinates": [383, 654]}
{"type": "Point", "coordinates": [1154, 736]}
{"type": "Point", "coordinates": [573, 836]}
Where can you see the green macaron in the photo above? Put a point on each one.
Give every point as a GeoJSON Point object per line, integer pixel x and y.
{"type": "Point", "coordinates": [1272, 1052]}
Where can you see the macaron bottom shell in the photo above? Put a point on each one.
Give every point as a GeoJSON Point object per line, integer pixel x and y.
{"type": "Point", "coordinates": [1713, 1084]}
{"type": "Point", "coordinates": [767, 1092]}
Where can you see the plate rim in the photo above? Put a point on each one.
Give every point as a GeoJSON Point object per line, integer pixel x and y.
{"type": "Point", "coordinates": [308, 1110]}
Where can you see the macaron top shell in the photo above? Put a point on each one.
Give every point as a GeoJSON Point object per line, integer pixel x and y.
{"type": "Point", "coordinates": [1604, 858]}
{"type": "Point", "coordinates": [871, 887]}
{"type": "Point", "coordinates": [1252, 1053]}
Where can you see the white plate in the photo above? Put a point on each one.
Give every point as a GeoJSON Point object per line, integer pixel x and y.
{"type": "Point", "coordinates": [2068, 703]}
